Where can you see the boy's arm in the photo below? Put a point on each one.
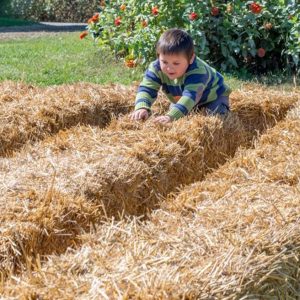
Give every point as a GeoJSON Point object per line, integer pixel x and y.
{"type": "Point", "coordinates": [147, 91]}
{"type": "Point", "coordinates": [194, 86]}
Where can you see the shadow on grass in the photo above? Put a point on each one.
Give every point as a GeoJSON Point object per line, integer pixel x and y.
{"type": "Point", "coordinates": [16, 25]}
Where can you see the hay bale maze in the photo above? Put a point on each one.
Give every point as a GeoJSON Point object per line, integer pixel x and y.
{"type": "Point", "coordinates": [110, 208]}
{"type": "Point", "coordinates": [29, 113]}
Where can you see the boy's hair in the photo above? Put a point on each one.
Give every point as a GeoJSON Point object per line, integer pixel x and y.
{"type": "Point", "coordinates": [175, 41]}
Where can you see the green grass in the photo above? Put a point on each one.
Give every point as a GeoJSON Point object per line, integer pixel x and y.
{"type": "Point", "coordinates": [6, 21]}
{"type": "Point", "coordinates": [62, 58]}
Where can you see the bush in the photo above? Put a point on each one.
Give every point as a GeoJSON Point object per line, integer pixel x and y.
{"type": "Point", "coordinates": [257, 36]}
{"type": "Point", "coordinates": [52, 10]}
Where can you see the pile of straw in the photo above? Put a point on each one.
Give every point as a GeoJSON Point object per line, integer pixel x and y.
{"type": "Point", "coordinates": [235, 235]}
{"type": "Point", "coordinates": [118, 171]}
{"type": "Point", "coordinates": [30, 113]}
{"type": "Point", "coordinates": [33, 224]}
{"type": "Point", "coordinates": [122, 170]}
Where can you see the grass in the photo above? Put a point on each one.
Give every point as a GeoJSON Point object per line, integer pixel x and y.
{"type": "Point", "coordinates": [58, 59]}
{"type": "Point", "coordinates": [7, 21]}
{"type": "Point", "coordinates": [64, 58]}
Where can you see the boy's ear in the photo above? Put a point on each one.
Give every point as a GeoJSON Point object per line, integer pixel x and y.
{"type": "Point", "coordinates": [192, 58]}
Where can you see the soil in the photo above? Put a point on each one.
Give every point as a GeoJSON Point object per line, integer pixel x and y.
{"type": "Point", "coordinates": [40, 29]}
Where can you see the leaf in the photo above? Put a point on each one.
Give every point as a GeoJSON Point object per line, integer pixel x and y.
{"type": "Point", "coordinates": [232, 60]}
{"type": "Point", "coordinates": [224, 50]}
{"type": "Point", "coordinates": [296, 59]}
{"type": "Point", "coordinates": [252, 52]}
{"type": "Point", "coordinates": [251, 43]}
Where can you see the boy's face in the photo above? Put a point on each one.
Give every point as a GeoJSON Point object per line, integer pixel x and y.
{"type": "Point", "coordinates": [174, 65]}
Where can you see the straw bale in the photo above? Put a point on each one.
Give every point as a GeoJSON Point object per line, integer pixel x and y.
{"type": "Point", "coordinates": [124, 170]}
{"type": "Point", "coordinates": [30, 113]}
{"type": "Point", "coordinates": [113, 169]}
{"type": "Point", "coordinates": [224, 250]}
{"type": "Point", "coordinates": [35, 224]}
{"type": "Point", "coordinates": [256, 107]}
{"type": "Point", "coordinates": [262, 107]}
{"type": "Point", "coordinates": [234, 235]}
{"type": "Point", "coordinates": [276, 158]}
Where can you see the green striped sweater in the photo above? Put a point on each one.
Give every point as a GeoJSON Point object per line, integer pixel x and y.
{"type": "Point", "coordinates": [199, 85]}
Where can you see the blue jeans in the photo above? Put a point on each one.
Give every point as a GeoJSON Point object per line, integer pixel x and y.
{"type": "Point", "coordinates": [217, 107]}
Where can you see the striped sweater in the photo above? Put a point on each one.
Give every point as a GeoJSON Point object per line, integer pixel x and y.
{"type": "Point", "coordinates": [199, 85]}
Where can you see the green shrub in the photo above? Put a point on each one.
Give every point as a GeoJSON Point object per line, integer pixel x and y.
{"type": "Point", "coordinates": [257, 36]}
{"type": "Point", "coordinates": [52, 10]}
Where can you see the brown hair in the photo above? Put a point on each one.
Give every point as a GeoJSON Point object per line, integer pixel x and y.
{"type": "Point", "coordinates": [175, 41]}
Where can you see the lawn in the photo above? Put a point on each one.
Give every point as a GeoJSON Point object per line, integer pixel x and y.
{"type": "Point", "coordinates": [58, 59]}
{"type": "Point", "coordinates": [64, 58]}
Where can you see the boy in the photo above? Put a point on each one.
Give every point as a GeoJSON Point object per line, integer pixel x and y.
{"type": "Point", "coordinates": [188, 82]}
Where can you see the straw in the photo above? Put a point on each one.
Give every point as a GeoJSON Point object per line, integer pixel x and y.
{"type": "Point", "coordinates": [124, 169]}
{"type": "Point", "coordinates": [235, 235]}
{"type": "Point", "coordinates": [29, 113]}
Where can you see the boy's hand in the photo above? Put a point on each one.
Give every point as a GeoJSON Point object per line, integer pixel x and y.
{"type": "Point", "coordinates": [140, 114]}
{"type": "Point", "coordinates": [163, 119]}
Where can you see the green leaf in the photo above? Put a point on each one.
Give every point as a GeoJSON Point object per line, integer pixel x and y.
{"type": "Point", "coordinates": [232, 60]}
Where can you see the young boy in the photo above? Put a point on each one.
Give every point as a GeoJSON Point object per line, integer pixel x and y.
{"type": "Point", "coordinates": [188, 82]}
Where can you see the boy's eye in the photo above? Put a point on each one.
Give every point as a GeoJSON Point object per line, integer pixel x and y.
{"type": "Point", "coordinates": [176, 64]}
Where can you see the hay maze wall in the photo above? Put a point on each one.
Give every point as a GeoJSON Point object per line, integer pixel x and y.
{"type": "Point", "coordinates": [81, 176]}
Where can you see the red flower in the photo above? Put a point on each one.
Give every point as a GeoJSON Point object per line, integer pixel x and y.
{"type": "Point", "coordinates": [215, 11]}
{"type": "Point", "coordinates": [83, 34]}
{"type": "Point", "coordinates": [95, 18]}
{"type": "Point", "coordinates": [123, 7]}
{"type": "Point", "coordinates": [130, 63]}
{"type": "Point", "coordinates": [118, 21]}
{"type": "Point", "coordinates": [154, 10]}
{"type": "Point", "coordinates": [255, 8]}
{"type": "Point", "coordinates": [193, 16]}
{"type": "Point", "coordinates": [144, 23]}
{"type": "Point", "coordinates": [261, 52]}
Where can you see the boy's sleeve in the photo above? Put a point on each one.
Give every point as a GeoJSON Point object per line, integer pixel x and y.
{"type": "Point", "coordinates": [147, 91]}
{"type": "Point", "coordinates": [194, 85]}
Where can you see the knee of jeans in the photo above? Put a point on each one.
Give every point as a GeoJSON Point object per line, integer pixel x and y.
{"type": "Point", "coordinates": [221, 109]}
